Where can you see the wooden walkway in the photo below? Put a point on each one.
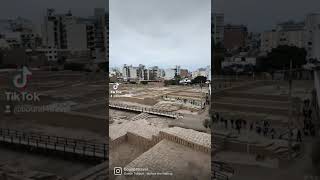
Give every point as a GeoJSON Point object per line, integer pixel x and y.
{"type": "Point", "coordinates": [221, 171]}
{"type": "Point", "coordinates": [153, 111]}
{"type": "Point", "coordinates": [64, 145]}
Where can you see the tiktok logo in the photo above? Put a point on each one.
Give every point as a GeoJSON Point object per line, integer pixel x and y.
{"type": "Point", "coordinates": [115, 86]}
{"type": "Point", "coordinates": [20, 80]}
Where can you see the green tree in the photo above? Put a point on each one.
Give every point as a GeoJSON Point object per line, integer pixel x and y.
{"type": "Point", "coordinates": [279, 58]}
{"type": "Point", "coordinates": [199, 79]}
{"type": "Point", "coordinates": [177, 77]}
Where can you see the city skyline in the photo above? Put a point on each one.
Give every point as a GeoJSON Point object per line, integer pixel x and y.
{"type": "Point", "coordinates": [262, 16]}
{"type": "Point", "coordinates": [136, 36]}
{"type": "Point", "coordinates": [35, 10]}
{"type": "Point", "coordinates": [161, 67]}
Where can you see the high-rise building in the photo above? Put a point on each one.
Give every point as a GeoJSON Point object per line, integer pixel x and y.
{"type": "Point", "coordinates": [19, 33]}
{"type": "Point", "coordinates": [54, 30]}
{"type": "Point", "coordinates": [235, 36]}
{"type": "Point", "coordinates": [107, 37]}
{"type": "Point", "coordinates": [170, 73]}
{"type": "Point", "coordinates": [312, 42]}
{"type": "Point", "coordinates": [205, 72]}
{"type": "Point", "coordinates": [178, 70]}
{"type": "Point", "coordinates": [68, 32]}
{"type": "Point", "coordinates": [184, 73]}
{"type": "Point", "coordinates": [154, 73]}
{"type": "Point", "coordinates": [130, 73]}
{"type": "Point", "coordinates": [218, 27]}
{"type": "Point", "coordinates": [100, 34]}
{"type": "Point", "coordinates": [288, 33]}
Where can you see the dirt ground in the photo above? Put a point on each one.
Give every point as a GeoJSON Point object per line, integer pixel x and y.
{"type": "Point", "coordinates": [86, 90]}
{"type": "Point", "coordinates": [26, 163]}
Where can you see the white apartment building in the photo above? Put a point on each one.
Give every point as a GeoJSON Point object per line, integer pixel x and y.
{"type": "Point", "coordinates": [50, 53]}
{"type": "Point", "coordinates": [313, 50]}
{"type": "Point", "coordinates": [19, 33]}
{"type": "Point", "coordinates": [206, 72]}
{"type": "Point", "coordinates": [64, 31]}
{"type": "Point", "coordinates": [289, 33]}
{"type": "Point", "coordinates": [13, 39]}
{"type": "Point", "coordinates": [161, 73]}
{"type": "Point", "coordinates": [130, 73]}
{"type": "Point", "coordinates": [208, 69]}
{"type": "Point", "coordinates": [169, 73]}
{"type": "Point", "coordinates": [313, 36]}
{"type": "Point", "coordinates": [75, 34]}
{"type": "Point", "coordinates": [142, 73]}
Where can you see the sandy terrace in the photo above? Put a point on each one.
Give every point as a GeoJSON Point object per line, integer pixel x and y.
{"type": "Point", "coordinates": [117, 116]}
{"type": "Point", "coordinates": [170, 157]}
{"type": "Point", "coordinates": [190, 135]}
{"type": "Point", "coordinates": [139, 127]}
{"type": "Point", "coordinates": [129, 103]}
{"type": "Point", "coordinates": [299, 88]}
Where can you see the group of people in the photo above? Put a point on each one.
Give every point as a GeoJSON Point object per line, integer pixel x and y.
{"type": "Point", "coordinates": [308, 125]}
{"type": "Point", "coordinates": [264, 127]}
{"type": "Point", "coordinates": [237, 124]}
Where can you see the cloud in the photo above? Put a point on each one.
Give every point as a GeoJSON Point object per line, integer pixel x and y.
{"type": "Point", "coordinates": [163, 33]}
{"type": "Point", "coordinates": [36, 9]}
{"type": "Point", "coordinates": [262, 15]}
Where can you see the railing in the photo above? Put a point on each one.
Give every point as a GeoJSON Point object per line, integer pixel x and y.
{"type": "Point", "coordinates": [317, 88]}
{"type": "Point", "coordinates": [146, 110]}
{"type": "Point", "coordinates": [222, 167]}
{"type": "Point", "coordinates": [56, 143]}
{"type": "Point", "coordinates": [287, 132]}
{"type": "Point", "coordinates": [220, 176]}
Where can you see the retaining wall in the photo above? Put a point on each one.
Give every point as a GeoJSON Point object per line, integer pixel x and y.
{"type": "Point", "coordinates": [178, 140]}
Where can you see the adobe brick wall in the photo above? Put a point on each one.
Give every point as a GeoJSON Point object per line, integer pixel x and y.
{"type": "Point", "coordinates": [181, 141]}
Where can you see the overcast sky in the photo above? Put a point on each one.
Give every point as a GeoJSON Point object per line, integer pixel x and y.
{"type": "Point", "coordinates": [160, 33]}
{"type": "Point", "coordinates": [36, 9]}
{"type": "Point", "coordinates": [262, 15]}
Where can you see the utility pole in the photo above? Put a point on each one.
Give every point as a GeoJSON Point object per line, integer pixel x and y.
{"type": "Point", "coordinates": [290, 112]}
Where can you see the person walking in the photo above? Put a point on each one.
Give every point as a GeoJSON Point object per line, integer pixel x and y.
{"type": "Point", "coordinates": [299, 136]}
{"type": "Point", "coordinates": [272, 132]}
{"type": "Point", "coordinates": [238, 126]}
{"type": "Point", "coordinates": [226, 124]}
{"type": "Point", "coordinates": [251, 126]}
